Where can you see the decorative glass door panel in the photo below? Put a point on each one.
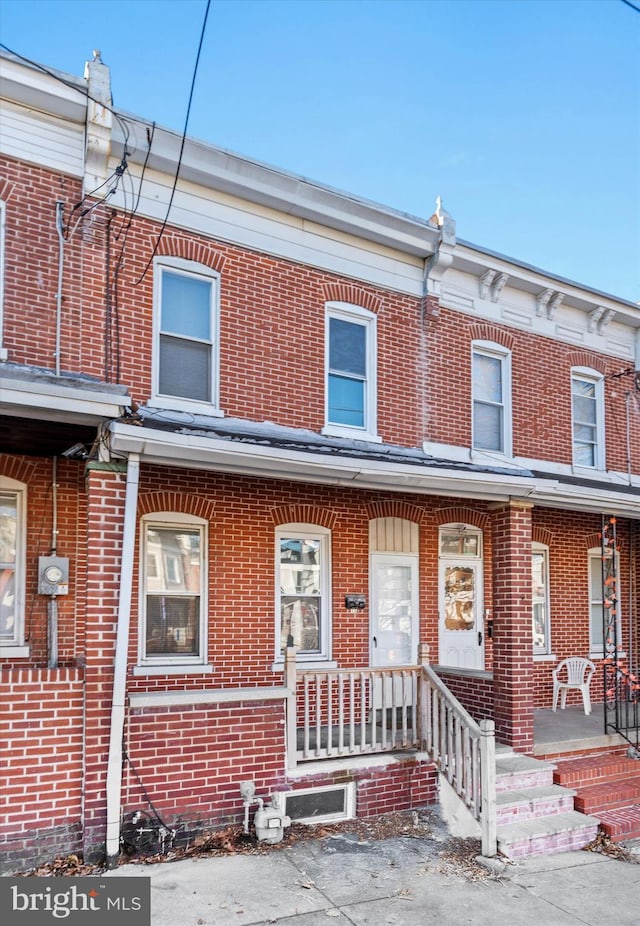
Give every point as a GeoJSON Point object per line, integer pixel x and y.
{"type": "Point", "coordinates": [461, 605]}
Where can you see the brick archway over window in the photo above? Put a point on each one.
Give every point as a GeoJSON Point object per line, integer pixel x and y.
{"type": "Point", "coordinates": [13, 468]}
{"type": "Point", "coordinates": [347, 292]}
{"type": "Point", "coordinates": [172, 245]}
{"type": "Point", "coordinates": [303, 514]}
{"type": "Point", "coordinates": [6, 188]}
{"type": "Point", "coordinates": [462, 516]}
{"type": "Point", "coordinates": [541, 535]}
{"type": "Point", "coordinates": [493, 333]}
{"type": "Point", "coordinates": [582, 358]}
{"type": "Point", "coordinates": [199, 507]}
{"type": "Point", "coordinates": [395, 509]}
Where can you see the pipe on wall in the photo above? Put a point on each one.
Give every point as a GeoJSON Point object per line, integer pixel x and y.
{"type": "Point", "coordinates": [116, 727]}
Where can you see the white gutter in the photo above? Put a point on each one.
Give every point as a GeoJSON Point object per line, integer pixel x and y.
{"type": "Point", "coordinates": [216, 454]}
{"type": "Point", "coordinates": [116, 728]}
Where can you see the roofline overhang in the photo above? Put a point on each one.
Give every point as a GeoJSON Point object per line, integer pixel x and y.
{"type": "Point", "coordinates": [195, 451]}
{"type": "Point", "coordinates": [53, 402]}
{"type": "Point", "coordinates": [224, 171]}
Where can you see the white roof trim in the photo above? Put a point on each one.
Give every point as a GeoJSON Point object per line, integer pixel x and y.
{"type": "Point", "coordinates": [251, 459]}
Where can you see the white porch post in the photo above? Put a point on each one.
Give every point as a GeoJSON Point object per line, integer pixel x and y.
{"type": "Point", "coordinates": [290, 683]}
{"type": "Point", "coordinates": [488, 788]}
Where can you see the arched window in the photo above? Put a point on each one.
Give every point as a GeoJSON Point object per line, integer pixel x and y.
{"type": "Point", "coordinates": [173, 600]}
{"type": "Point", "coordinates": [596, 601]}
{"type": "Point", "coordinates": [540, 599]}
{"type": "Point", "coordinates": [587, 410]}
{"type": "Point", "coordinates": [303, 586]}
{"type": "Point", "coordinates": [12, 567]}
{"type": "Point", "coordinates": [350, 386]}
{"type": "Point", "coordinates": [185, 327]}
{"type": "Point", "coordinates": [491, 390]}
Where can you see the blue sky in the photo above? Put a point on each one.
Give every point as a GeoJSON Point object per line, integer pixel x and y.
{"type": "Point", "coordinates": [524, 115]}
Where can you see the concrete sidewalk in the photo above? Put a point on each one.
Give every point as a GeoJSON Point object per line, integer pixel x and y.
{"type": "Point", "coordinates": [402, 881]}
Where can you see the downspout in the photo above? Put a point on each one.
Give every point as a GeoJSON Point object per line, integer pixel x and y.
{"type": "Point", "coordinates": [60, 230]}
{"type": "Point", "coordinates": [118, 703]}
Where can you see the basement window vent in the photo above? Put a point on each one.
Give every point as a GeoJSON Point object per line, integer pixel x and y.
{"type": "Point", "coordinates": [321, 805]}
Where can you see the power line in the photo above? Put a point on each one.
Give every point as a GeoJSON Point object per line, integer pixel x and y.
{"type": "Point", "coordinates": [632, 5]}
{"type": "Point", "coordinates": [68, 83]}
{"type": "Point", "coordinates": [184, 136]}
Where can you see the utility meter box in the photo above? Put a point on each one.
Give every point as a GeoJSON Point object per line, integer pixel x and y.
{"type": "Point", "coordinates": [53, 575]}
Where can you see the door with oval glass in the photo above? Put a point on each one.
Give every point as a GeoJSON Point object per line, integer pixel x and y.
{"type": "Point", "coordinates": [461, 640]}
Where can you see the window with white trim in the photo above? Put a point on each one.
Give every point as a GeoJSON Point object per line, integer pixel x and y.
{"type": "Point", "coordinates": [185, 333]}
{"type": "Point", "coordinates": [3, 209]}
{"type": "Point", "coordinates": [12, 565]}
{"type": "Point", "coordinates": [350, 388]}
{"type": "Point", "coordinates": [540, 598]}
{"type": "Point", "coordinates": [173, 589]}
{"type": "Point", "coordinates": [491, 388]}
{"type": "Point", "coordinates": [596, 601]}
{"type": "Point", "coordinates": [303, 582]}
{"type": "Point", "coordinates": [587, 410]}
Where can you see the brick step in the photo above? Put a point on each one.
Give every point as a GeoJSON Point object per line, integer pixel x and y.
{"type": "Point", "coordinates": [517, 773]}
{"type": "Point", "coordinates": [591, 770]}
{"type": "Point", "coordinates": [547, 835]}
{"type": "Point", "coordinates": [608, 795]}
{"type": "Point", "coordinates": [622, 823]}
{"type": "Point", "coordinates": [527, 803]}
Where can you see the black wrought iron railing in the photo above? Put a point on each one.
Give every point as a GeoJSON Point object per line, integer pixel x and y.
{"type": "Point", "coordinates": [622, 702]}
{"type": "Point", "coordinates": [621, 680]}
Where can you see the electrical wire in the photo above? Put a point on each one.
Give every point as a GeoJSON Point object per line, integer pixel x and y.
{"type": "Point", "coordinates": [68, 83]}
{"type": "Point", "coordinates": [184, 136]}
{"type": "Point", "coordinates": [632, 5]}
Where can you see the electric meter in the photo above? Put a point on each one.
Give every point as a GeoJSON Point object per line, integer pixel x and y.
{"type": "Point", "coordinates": [53, 575]}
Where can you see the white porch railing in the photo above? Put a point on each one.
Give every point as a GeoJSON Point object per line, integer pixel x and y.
{"type": "Point", "coordinates": [339, 713]}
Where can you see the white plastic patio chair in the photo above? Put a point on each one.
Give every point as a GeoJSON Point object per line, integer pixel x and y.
{"type": "Point", "coordinates": [579, 673]}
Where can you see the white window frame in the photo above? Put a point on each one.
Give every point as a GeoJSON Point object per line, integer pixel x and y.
{"type": "Point", "coordinates": [3, 212]}
{"type": "Point", "coordinates": [18, 490]}
{"type": "Point", "coordinates": [306, 532]}
{"type": "Point", "coordinates": [545, 650]}
{"type": "Point", "coordinates": [503, 355]}
{"type": "Point", "coordinates": [193, 269]}
{"type": "Point", "coordinates": [585, 374]}
{"type": "Point", "coordinates": [597, 648]}
{"type": "Point", "coordinates": [355, 315]}
{"type": "Point", "coordinates": [168, 520]}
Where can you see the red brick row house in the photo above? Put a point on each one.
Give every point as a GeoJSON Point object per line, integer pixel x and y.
{"type": "Point", "coordinates": [277, 418]}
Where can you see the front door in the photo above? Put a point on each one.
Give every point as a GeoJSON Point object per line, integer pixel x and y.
{"type": "Point", "coordinates": [394, 609]}
{"type": "Point", "coordinates": [461, 641]}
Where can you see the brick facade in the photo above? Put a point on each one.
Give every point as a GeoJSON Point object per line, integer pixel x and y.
{"type": "Point", "coordinates": [188, 756]}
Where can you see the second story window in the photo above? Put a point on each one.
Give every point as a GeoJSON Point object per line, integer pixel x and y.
{"type": "Point", "coordinates": [587, 408]}
{"type": "Point", "coordinates": [491, 398]}
{"type": "Point", "coordinates": [186, 322]}
{"type": "Point", "coordinates": [351, 371]}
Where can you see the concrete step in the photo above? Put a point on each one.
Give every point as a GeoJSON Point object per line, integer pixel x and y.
{"type": "Point", "coordinates": [516, 772]}
{"type": "Point", "coordinates": [563, 832]}
{"type": "Point", "coordinates": [591, 770]}
{"type": "Point", "coordinates": [609, 795]}
{"type": "Point", "coordinates": [621, 823]}
{"type": "Point", "coordinates": [527, 803]}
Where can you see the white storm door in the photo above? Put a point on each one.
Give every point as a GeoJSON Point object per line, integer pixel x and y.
{"type": "Point", "coordinates": [461, 638]}
{"type": "Point", "coordinates": [394, 609]}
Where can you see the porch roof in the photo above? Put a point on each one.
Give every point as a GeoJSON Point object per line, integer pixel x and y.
{"type": "Point", "coordinates": [272, 451]}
